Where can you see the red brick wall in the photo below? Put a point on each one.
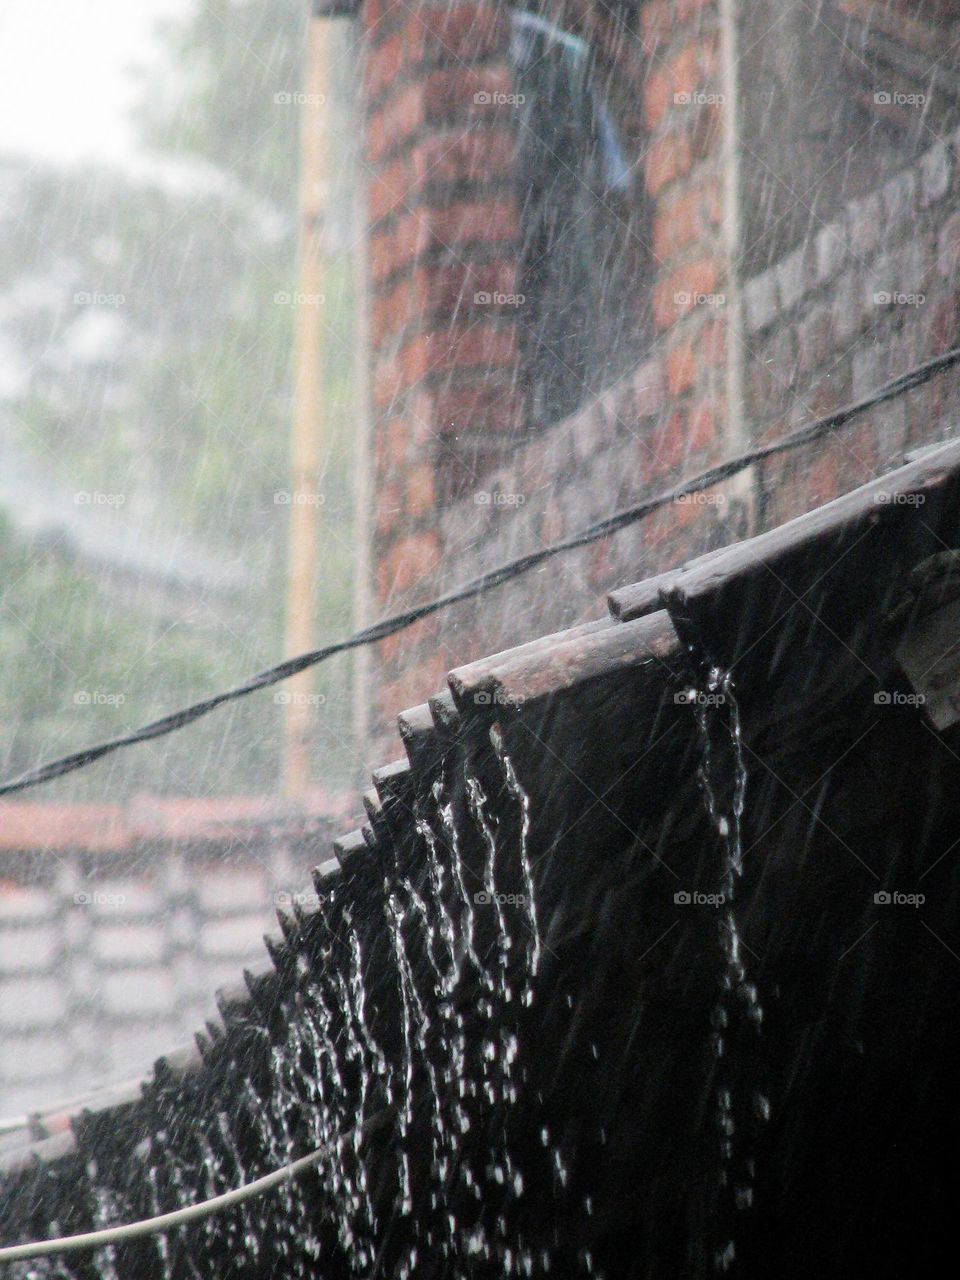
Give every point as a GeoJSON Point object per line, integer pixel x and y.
{"type": "Point", "coordinates": [443, 229]}
{"type": "Point", "coordinates": [444, 226]}
{"type": "Point", "coordinates": [460, 486]}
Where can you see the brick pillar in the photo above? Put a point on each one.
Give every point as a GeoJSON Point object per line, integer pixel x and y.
{"type": "Point", "coordinates": [684, 171]}
{"type": "Point", "coordinates": [444, 243]}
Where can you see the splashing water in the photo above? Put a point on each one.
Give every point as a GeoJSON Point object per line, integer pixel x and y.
{"type": "Point", "coordinates": [249, 1240]}
{"type": "Point", "coordinates": [322, 1074]}
{"type": "Point", "coordinates": [373, 1068]}
{"type": "Point", "coordinates": [264, 1116]}
{"type": "Point", "coordinates": [515, 951]}
{"type": "Point", "coordinates": [467, 922]}
{"type": "Point", "coordinates": [106, 1211]}
{"type": "Point", "coordinates": [737, 1007]}
{"type": "Point", "coordinates": [405, 1074]}
{"type": "Point", "coordinates": [156, 1208]}
{"type": "Point", "coordinates": [498, 1055]}
{"type": "Point", "coordinates": [440, 1136]}
{"type": "Point", "coordinates": [181, 1179]}
{"type": "Point", "coordinates": [462, 969]}
{"type": "Point", "coordinates": [530, 898]}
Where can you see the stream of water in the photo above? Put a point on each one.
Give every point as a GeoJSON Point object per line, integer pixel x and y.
{"type": "Point", "coordinates": [464, 944]}
{"type": "Point", "coordinates": [737, 1015]}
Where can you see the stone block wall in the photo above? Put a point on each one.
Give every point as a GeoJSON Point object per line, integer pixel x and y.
{"type": "Point", "coordinates": [108, 959]}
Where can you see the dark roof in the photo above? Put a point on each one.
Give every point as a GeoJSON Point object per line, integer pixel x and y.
{"type": "Point", "coordinates": [618, 1065]}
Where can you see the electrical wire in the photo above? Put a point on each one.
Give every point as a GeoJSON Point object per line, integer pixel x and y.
{"type": "Point", "coordinates": [486, 581]}
{"type": "Point", "coordinates": [163, 1222]}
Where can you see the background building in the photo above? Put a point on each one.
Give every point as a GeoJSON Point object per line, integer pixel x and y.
{"type": "Point", "coordinates": [611, 244]}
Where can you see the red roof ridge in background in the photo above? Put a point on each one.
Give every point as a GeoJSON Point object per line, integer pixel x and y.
{"type": "Point", "coordinates": [31, 826]}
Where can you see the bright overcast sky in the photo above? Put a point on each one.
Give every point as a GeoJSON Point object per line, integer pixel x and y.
{"type": "Point", "coordinates": [65, 74]}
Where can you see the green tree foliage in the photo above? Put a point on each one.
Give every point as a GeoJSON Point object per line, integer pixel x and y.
{"type": "Point", "coordinates": [151, 319]}
{"type": "Point", "coordinates": [214, 97]}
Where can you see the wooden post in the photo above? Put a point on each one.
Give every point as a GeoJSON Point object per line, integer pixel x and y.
{"type": "Point", "coordinates": [308, 410]}
{"type": "Point", "coordinates": [362, 463]}
{"type": "Point", "coordinates": [742, 489]}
